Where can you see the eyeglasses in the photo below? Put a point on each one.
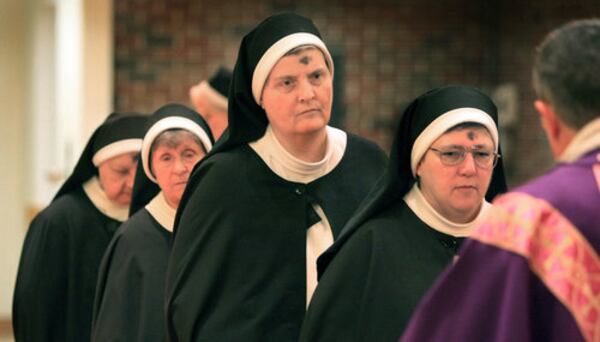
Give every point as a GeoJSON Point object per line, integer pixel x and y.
{"type": "Point", "coordinates": [483, 158]}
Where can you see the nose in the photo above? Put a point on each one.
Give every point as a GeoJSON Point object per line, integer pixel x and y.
{"type": "Point", "coordinates": [306, 91]}
{"type": "Point", "coordinates": [180, 166]}
{"type": "Point", "coordinates": [468, 167]}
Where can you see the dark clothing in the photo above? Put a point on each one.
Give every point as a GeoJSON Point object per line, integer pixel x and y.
{"type": "Point", "coordinates": [387, 266]}
{"type": "Point", "coordinates": [129, 297]}
{"type": "Point", "coordinates": [238, 266]}
{"type": "Point", "coordinates": [57, 275]}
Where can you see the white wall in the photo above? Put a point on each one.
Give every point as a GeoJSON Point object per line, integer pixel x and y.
{"type": "Point", "coordinates": [55, 88]}
{"type": "Point", "coordinates": [14, 53]}
{"type": "Point", "coordinates": [98, 66]}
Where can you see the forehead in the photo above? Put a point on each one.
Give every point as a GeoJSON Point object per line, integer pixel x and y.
{"type": "Point", "coordinates": [121, 159]}
{"type": "Point", "coordinates": [465, 136]}
{"type": "Point", "coordinates": [175, 139]}
{"type": "Point", "coordinates": [298, 62]}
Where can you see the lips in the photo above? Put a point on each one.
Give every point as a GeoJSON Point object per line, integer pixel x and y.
{"type": "Point", "coordinates": [466, 187]}
{"type": "Point", "coordinates": [309, 111]}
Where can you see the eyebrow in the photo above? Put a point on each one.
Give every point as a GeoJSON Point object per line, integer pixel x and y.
{"type": "Point", "coordinates": [462, 146]}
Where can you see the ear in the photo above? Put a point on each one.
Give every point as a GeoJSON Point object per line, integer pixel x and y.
{"type": "Point", "coordinates": [418, 168]}
{"type": "Point", "coordinates": [548, 118]}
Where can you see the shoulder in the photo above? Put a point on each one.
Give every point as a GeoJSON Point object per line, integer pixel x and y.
{"type": "Point", "coordinates": [367, 234]}
{"type": "Point", "coordinates": [362, 144]}
{"type": "Point", "coordinates": [140, 232]}
{"type": "Point", "coordinates": [63, 212]}
{"type": "Point", "coordinates": [221, 167]}
{"type": "Point", "coordinates": [564, 181]}
{"type": "Point", "coordinates": [365, 152]}
{"type": "Point", "coordinates": [223, 175]}
{"type": "Point", "coordinates": [389, 221]}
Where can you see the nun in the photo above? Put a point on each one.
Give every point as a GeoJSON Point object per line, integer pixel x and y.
{"type": "Point", "coordinates": [129, 296]}
{"type": "Point", "coordinates": [444, 164]}
{"type": "Point", "coordinates": [57, 274]}
{"type": "Point", "coordinates": [273, 194]}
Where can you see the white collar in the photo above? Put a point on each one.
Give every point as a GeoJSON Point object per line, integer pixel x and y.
{"type": "Point", "coordinates": [586, 140]}
{"type": "Point", "coordinates": [96, 194]}
{"type": "Point", "coordinates": [292, 169]}
{"type": "Point", "coordinates": [421, 207]}
{"type": "Point", "coordinates": [162, 212]}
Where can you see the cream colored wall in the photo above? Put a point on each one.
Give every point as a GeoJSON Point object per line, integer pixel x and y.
{"type": "Point", "coordinates": [14, 55]}
{"type": "Point", "coordinates": [98, 64]}
{"type": "Point", "coordinates": [55, 88]}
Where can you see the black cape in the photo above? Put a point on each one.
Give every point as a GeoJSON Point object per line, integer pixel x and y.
{"type": "Point", "coordinates": [238, 265]}
{"type": "Point", "coordinates": [57, 275]}
{"type": "Point", "coordinates": [386, 271]}
{"type": "Point", "coordinates": [129, 296]}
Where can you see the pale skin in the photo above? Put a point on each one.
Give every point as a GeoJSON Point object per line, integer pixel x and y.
{"type": "Point", "coordinates": [215, 116]}
{"type": "Point", "coordinates": [456, 192]}
{"type": "Point", "coordinates": [297, 98]}
{"type": "Point", "coordinates": [116, 176]}
{"type": "Point", "coordinates": [558, 133]}
{"type": "Point", "coordinates": [172, 166]}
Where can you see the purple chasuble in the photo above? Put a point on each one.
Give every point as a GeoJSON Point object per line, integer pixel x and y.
{"type": "Point", "coordinates": [530, 272]}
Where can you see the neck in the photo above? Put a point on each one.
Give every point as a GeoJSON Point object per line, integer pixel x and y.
{"type": "Point", "coordinates": [309, 148]}
{"type": "Point", "coordinates": [561, 141]}
{"type": "Point", "coordinates": [217, 122]}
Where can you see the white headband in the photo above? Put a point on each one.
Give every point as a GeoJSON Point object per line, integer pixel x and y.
{"type": "Point", "coordinates": [213, 95]}
{"type": "Point", "coordinates": [171, 122]}
{"type": "Point", "coordinates": [443, 123]}
{"type": "Point", "coordinates": [276, 51]}
{"type": "Point", "coordinates": [115, 149]}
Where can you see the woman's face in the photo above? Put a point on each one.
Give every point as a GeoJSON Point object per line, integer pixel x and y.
{"type": "Point", "coordinates": [116, 177]}
{"type": "Point", "coordinates": [172, 164]}
{"type": "Point", "coordinates": [456, 191]}
{"type": "Point", "coordinates": [298, 93]}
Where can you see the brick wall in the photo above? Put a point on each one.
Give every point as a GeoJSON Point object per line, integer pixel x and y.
{"type": "Point", "coordinates": [388, 52]}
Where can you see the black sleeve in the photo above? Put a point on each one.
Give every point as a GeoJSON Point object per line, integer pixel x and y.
{"type": "Point", "coordinates": [40, 295]}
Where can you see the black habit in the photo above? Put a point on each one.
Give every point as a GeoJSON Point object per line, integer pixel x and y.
{"type": "Point", "coordinates": [65, 242]}
{"type": "Point", "coordinates": [237, 271]}
{"type": "Point", "coordinates": [131, 282]}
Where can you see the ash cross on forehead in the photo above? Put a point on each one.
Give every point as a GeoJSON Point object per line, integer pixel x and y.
{"type": "Point", "coordinates": [305, 60]}
{"type": "Point", "coordinates": [471, 135]}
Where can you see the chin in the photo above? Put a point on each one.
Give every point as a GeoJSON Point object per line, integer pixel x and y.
{"type": "Point", "coordinates": [123, 202]}
{"type": "Point", "coordinates": [312, 127]}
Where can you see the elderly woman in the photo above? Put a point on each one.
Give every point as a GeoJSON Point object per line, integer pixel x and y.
{"type": "Point", "coordinates": [65, 242]}
{"type": "Point", "coordinates": [270, 197]}
{"type": "Point", "coordinates": [443, 162]}
{"type": "Point", "coordinates": [129, 297]}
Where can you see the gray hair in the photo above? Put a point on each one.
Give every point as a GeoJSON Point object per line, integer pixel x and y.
{"type": "Point", "coordinates": [566, 71]}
